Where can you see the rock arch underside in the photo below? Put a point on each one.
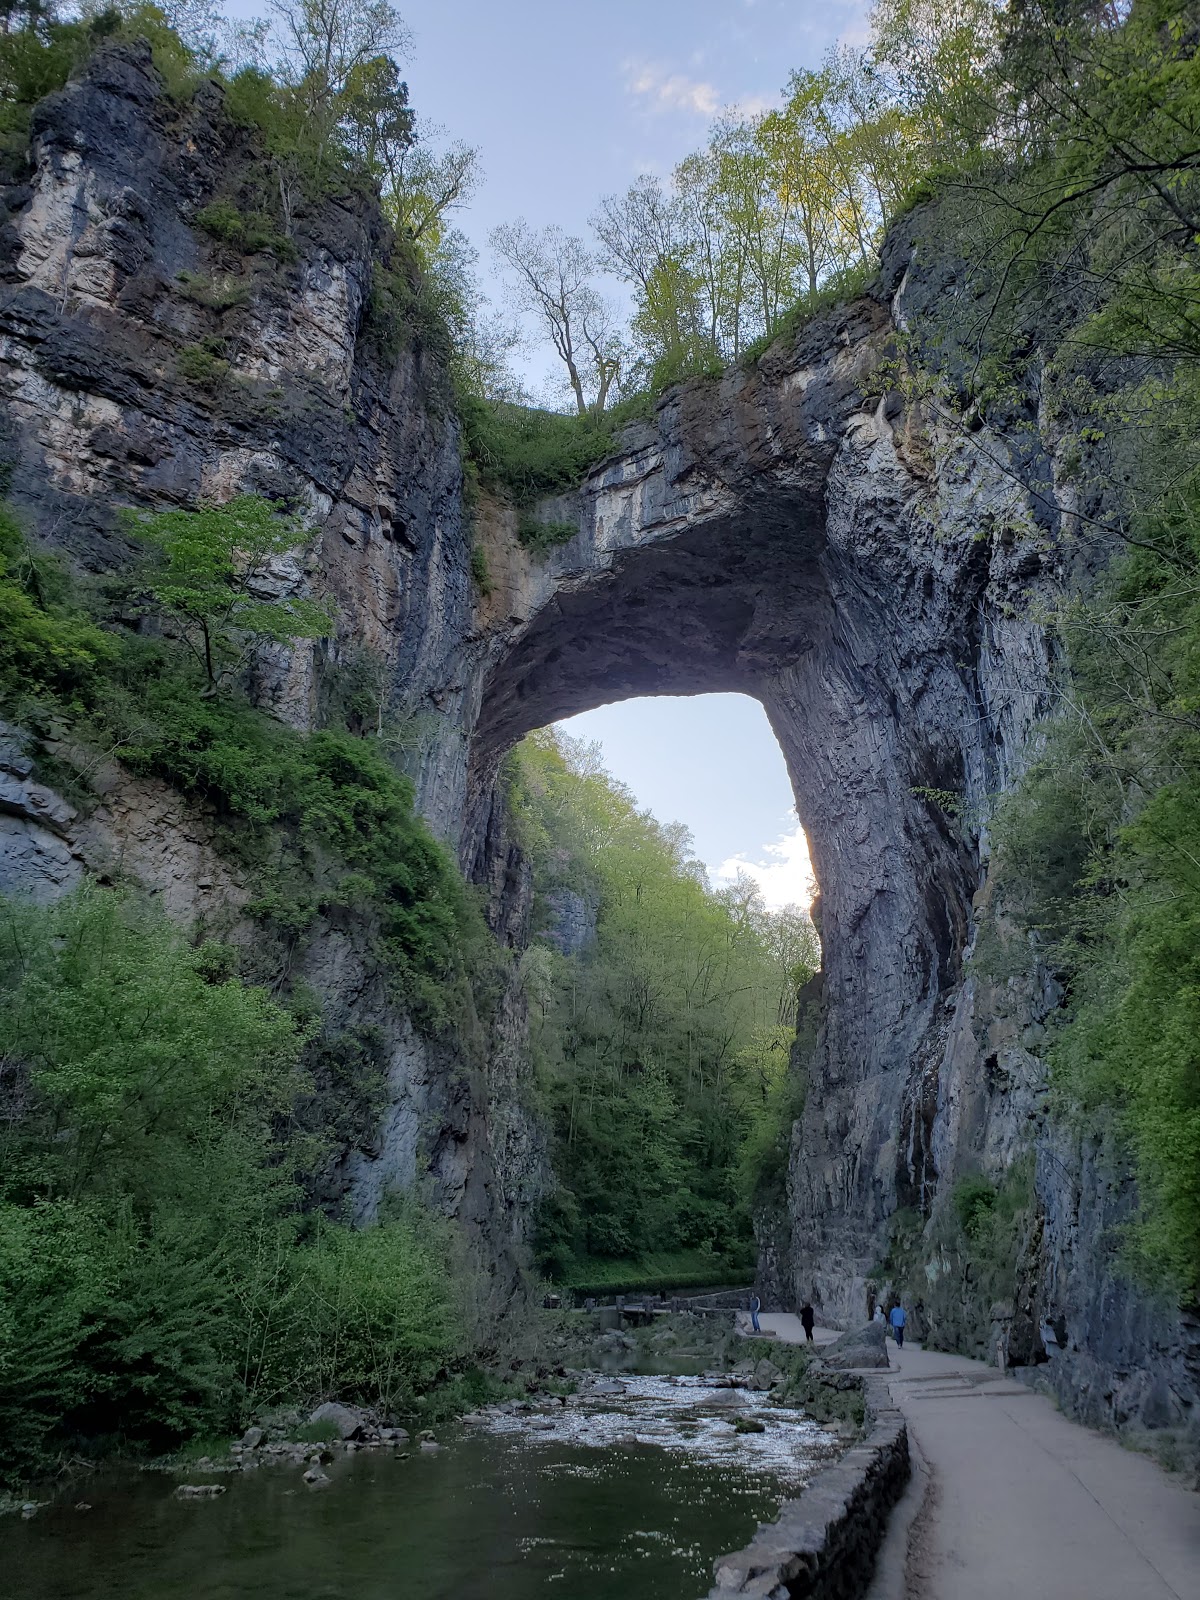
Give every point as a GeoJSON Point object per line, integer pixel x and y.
{"type": "Point", "coordinates": [796, 531]}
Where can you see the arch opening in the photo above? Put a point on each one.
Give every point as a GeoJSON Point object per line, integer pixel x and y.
{"type": "Point", "coordinates": [712, 764]}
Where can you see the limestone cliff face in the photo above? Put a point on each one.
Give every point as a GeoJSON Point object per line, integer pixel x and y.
{"type": "Point", "coordinates": [868, 569]}
{"type": "Point", "coordinates": [107, 284]}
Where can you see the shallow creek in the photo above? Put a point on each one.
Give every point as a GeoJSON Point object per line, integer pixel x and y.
{"type": "Point", "coordinates": [626, 1495]}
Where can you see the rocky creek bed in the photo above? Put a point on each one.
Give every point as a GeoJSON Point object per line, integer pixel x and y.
{"type": "Point", "coordinates": [629, 1487]}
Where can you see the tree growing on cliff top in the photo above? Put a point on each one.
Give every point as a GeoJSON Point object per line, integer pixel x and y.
{"type": "Point", "coordinates": [552, 278]}
{"type": "Point", "coordinates": [216, 582]}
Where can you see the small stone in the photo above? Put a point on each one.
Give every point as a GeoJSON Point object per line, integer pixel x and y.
{"type": "Point", "coordinates": [82, 1505]}
{"type": "Point", "coordinates": [542, 1424]}
{"type": "Point", "coordinates": [316, 1479]}
{"type": "Point", "coordinates": [199, 1491]}
{"type": "Point", "coordinates": [430, 1446]}
{"type": "Point", "coordinates": [29, 1509]}
{"type": "Point", "coordinates": [252, 1438]}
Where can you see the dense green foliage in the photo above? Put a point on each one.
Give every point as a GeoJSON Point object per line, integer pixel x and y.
{"type": "Point", "coordinates": [321, 821]}
{"type": "Point", "coordinates": [528, 454]}
{"type": "Point", "coordinates": [1098, 852]}
{"type": "Point", "coordinates": [656, 1271]}
{"type": "Point", "coordinates": [662, 1044]}
{"type": "Point", "coordinates": [47, 646]}
{"type": "Point", "coordinates": [156, 1275]}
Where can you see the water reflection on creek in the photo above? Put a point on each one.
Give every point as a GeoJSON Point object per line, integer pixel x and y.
{"type": "Point", "coordinates": [628, 1495]}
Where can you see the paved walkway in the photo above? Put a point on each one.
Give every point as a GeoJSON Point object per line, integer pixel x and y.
{"type": "Point", "coordinates": [1023, 1504]}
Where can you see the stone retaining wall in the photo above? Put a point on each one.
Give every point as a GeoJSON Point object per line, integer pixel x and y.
{"type": "Point", "coordinates": [823, 1545]}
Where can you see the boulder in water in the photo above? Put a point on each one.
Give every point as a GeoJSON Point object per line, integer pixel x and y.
{"type": "Point", "coordinates": [350, 1424]}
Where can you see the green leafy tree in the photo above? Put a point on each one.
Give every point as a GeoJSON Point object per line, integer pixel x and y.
{"type": "Point", "coordinates": [217, 584]}
{"type": "Point", "coordinates": [649, 1039]}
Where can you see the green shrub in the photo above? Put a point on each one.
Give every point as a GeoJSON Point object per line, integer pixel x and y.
{"type": "Point", "coordinates": [480, 572]}
{"type": "Point", "coordinates": [678, 1269]}
{"type": "Point", "coordinates": [540, 536]}
{"type": "Point", "coordinates": [199, 363]}
{"type": "Point", "coordinates": [248, 232]}
{"type": "Point", "coordinates": [156, 1278]}
{"type": "Point", "coordinates": [840, 287]}
{"type": "Point", "coordinates": [206, 291]}
{"type": "Point", "coordinates": [529, 454]}
{"type": "Point", "coordinates": [973, 1200]}
{"type": "Point", "coordinates": [47, 647]}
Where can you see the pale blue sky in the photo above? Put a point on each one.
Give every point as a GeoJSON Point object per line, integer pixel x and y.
{"type": "Point", "coordinates": [711, 762]}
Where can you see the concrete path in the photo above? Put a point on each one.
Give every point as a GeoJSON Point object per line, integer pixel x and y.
{"type": "Point", "coordinates": [786, 1327]}
{"type": "Point", "coordinates": [1022, 1504]}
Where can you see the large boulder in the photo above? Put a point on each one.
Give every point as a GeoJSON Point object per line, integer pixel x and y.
{"type": "Point", "coordinates": [350, 1424]}
{"type": "Point", "coordinates": [861, 1347]}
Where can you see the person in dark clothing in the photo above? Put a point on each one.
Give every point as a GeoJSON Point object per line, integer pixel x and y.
{"type": "Point", "coordinates": [755, 1308]}
{"type": "Point", "coordinates": [807, 1318]}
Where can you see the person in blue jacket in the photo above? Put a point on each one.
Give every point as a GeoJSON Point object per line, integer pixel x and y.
{"type": "Point", "coordinates": [755, 1308]}
{"type": "Point", "coordinates": [897, 1320]}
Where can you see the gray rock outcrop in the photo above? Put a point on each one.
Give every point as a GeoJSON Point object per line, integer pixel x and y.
{"type": "Point", "coordinates": [861, 1347]}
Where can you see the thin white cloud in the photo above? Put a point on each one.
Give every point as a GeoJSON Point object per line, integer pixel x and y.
{"type": "Point", "coordinates": [754, 105]}
{"type": "Point", "coordinates": [785, 875]}
{"type": "Point", "coordinates": [671, 91]}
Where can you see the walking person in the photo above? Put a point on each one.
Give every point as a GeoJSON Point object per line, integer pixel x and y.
{"type": "Point", "coordinates": [807, 1318]}
{"type": "Point", "coordinates": [897, 1320]}
{"type": "Point", "coordinates": [755, 1308]}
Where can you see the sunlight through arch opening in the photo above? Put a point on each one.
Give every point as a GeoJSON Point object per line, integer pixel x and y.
{"type": "Point", "coordinates": [712, 763]}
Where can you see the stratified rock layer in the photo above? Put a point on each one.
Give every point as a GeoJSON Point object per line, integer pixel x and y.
{"type": "Point", "coordinates": [798, 532]}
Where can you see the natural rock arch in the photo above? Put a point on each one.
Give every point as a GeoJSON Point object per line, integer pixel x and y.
{"type": "Point", "coordinates": [782, 535]}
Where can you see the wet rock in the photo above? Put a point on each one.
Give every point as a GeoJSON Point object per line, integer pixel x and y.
{"type": "Point", "coordinates": [252, 1438]}
{"type": "Point", "coordinates": [606, 1386]}
{"type": "Point", "coordinates": [766, 1375]}
{"type": "Point", "coordinates": [542, 1425]}
{"type": "Point", "coordinates": [748, 1425]}
{"type": "Point", "coordinates": [430, 1447]}
{"type": "Point", "coordinates": [316, 1479]}
{"type": "Point", "coordinates": [199, 1491]}
{"type": "Point", "coordinates": [350, 1424]}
